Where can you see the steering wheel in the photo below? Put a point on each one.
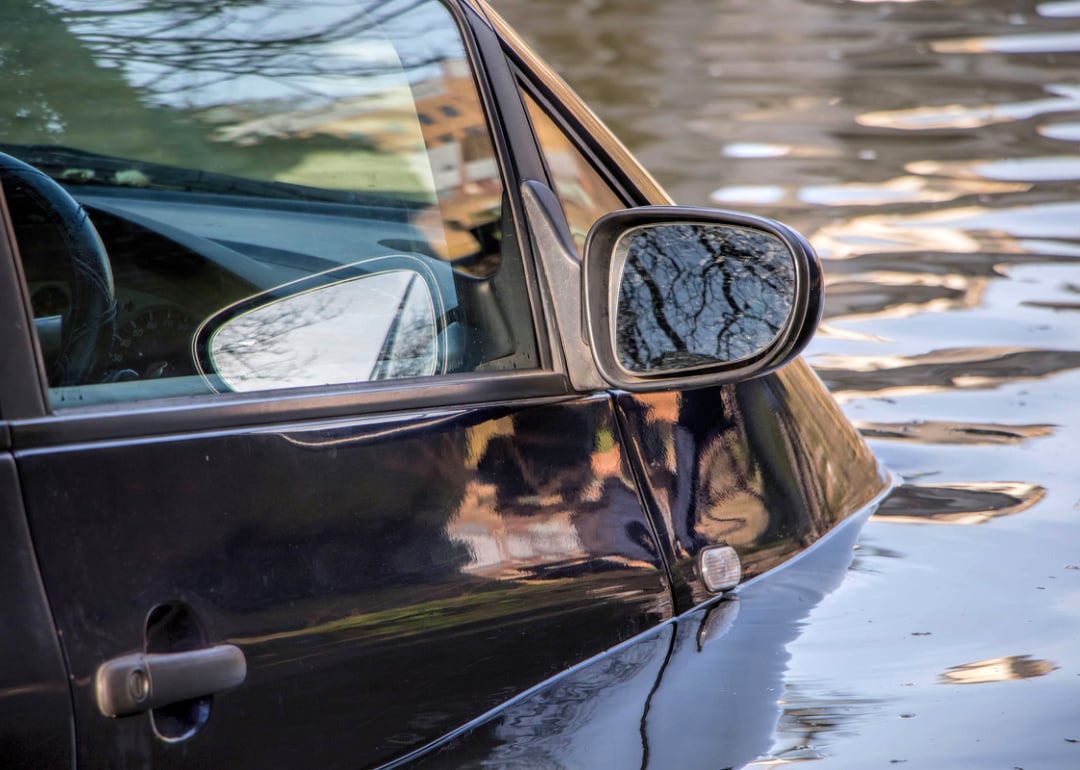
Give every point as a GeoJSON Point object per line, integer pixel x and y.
{"type": "Point", "coordinates": [43, 212]}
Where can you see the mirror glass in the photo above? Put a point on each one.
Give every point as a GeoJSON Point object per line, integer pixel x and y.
{"type": "Point", "coordinates": [696, 295]}
{"type": "Point", "coordinates": [371, 327]}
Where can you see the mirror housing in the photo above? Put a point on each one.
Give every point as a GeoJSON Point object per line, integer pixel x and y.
{"type": "Point", "coordinates": [682, 297]}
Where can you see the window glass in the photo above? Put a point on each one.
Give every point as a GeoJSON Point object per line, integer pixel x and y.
{"type": "Point", "coordinates": [281, 194]}
{"type": "Point", "coordinates": [585, 196]}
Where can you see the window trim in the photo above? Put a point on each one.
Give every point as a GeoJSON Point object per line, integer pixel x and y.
{"type": "Point", "coordinates": [23, 390]}
{"type": "Point", "coordinates": [239, 411]}
{"type": "Point", "coordinates": [516, 152]}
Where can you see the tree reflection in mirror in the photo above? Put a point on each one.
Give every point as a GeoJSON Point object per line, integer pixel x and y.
{"type": "Point", "coordinates": [698, 295]}
{"type": "Point", "coordinates": [373, 327]}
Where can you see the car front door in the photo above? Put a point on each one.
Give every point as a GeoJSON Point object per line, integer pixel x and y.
{"type": "Point", "coordinates": [304, 484]}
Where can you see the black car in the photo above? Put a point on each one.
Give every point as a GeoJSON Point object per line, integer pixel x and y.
{"type": "Point", "coordinates": [364, 402]}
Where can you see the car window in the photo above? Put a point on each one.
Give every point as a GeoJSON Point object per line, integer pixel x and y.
{"type": "Point", "coordinates": [584, 194]}
{"type": "Point", "coordinates": [320, 205]}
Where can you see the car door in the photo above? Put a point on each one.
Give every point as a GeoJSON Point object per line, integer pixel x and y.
{"type": "Point", "coordinates": [404, 517]}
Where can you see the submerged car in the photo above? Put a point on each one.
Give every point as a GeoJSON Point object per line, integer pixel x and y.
{"type": "Point", "coordinates": [365, 403]}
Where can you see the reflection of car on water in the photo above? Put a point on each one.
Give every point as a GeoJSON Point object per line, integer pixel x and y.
{"type": "Point", "coordinates": [327, 436]}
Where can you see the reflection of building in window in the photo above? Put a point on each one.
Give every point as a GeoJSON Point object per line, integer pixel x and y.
{"type": "Point", "coordinates": [428, 139]}
{"type": "Point", "coordinates": [584, 195]}
{"type": "Point", "coordinates": [466, 174]}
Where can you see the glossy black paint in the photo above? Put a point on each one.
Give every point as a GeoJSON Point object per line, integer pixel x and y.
{"type": "Point", "coordinates": [767, 466]}
{"type": "Point", "coordinates": [388, 579]}
{"type": "Point", "coordinates": [699, 692]}
{"type": "Point", "coordinates": [36, 729]}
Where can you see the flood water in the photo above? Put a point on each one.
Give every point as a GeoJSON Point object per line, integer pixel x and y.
{"type": "Point", "coordinates": [931, 153]}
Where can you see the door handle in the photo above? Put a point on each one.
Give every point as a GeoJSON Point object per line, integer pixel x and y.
{"type": "Point", "coordinates": [140, 682]}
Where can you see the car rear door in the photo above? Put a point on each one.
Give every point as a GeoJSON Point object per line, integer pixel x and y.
{"type": "Point", "coordinates": [334, 575]}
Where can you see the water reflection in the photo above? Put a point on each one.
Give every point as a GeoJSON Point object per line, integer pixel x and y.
{"type": "Point", "coordinates": [928, 150]}
{"type": "Point", "coordinates": [906, 189]}
{"type": "Point", "coordinates": [1035, 169]}
{"type": "Point", "coordinates": [1011, 668]}
{"type": "Point", "coordinates": [881, 295]}
{"type": "Point", "coordinates": [969, 229]}
{"type": "Point", "coordinates": [940, 370]}
{"type": "Point", "coordinates": [1046, 42]}
{"type": "Point", "coordinates": [1066, 132]}
{"type": "Point", "coordinates": [1065, 98]}
{"type": "Point", "coordinates": [808, 719]}
{"type": "Point", "coordinates": [763, 150]}
{"type": "Point", "coordinates": [967, 434]}
{"type": "Point", "coordinates": [900, 190]}
{"type": "Point", "coordinates": [1059, 10]}
{"type": "Point", "coordinates": [973, 503]}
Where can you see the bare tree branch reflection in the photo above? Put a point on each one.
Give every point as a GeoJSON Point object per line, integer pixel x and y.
{"type": "Point", "coordinates": [693, 295]}
{"type": "Point", "coordinates": [409, 348]}
{"type": "Point", "coordinates": [381, 326]}
{"type": "Point", "coordinates": [189, 44]}
{"type": "Point", "coordinates": [257, 349]}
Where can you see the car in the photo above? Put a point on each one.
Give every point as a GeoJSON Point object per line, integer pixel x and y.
{"type": "Point", "coordinates": [365, 403]}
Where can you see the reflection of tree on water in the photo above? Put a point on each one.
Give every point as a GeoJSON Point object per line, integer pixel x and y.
{"type": "Point", "coordinates": [693, 295]}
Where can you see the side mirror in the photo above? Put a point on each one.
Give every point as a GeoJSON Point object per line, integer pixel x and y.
{"type": "Point", "coordinates": [375, 320]}
{"type": "Point", "coordinates": [681, 297]}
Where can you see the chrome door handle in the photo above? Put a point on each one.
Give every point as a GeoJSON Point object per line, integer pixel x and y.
{"type": "Point", "coordinates": [136, 683]}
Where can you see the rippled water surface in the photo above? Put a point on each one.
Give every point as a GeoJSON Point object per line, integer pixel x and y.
{"type": "Point", "coordinates": [931, 153]}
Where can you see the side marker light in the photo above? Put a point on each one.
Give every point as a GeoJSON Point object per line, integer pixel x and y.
{"type": "Point", "coordinates": [719, 567]}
